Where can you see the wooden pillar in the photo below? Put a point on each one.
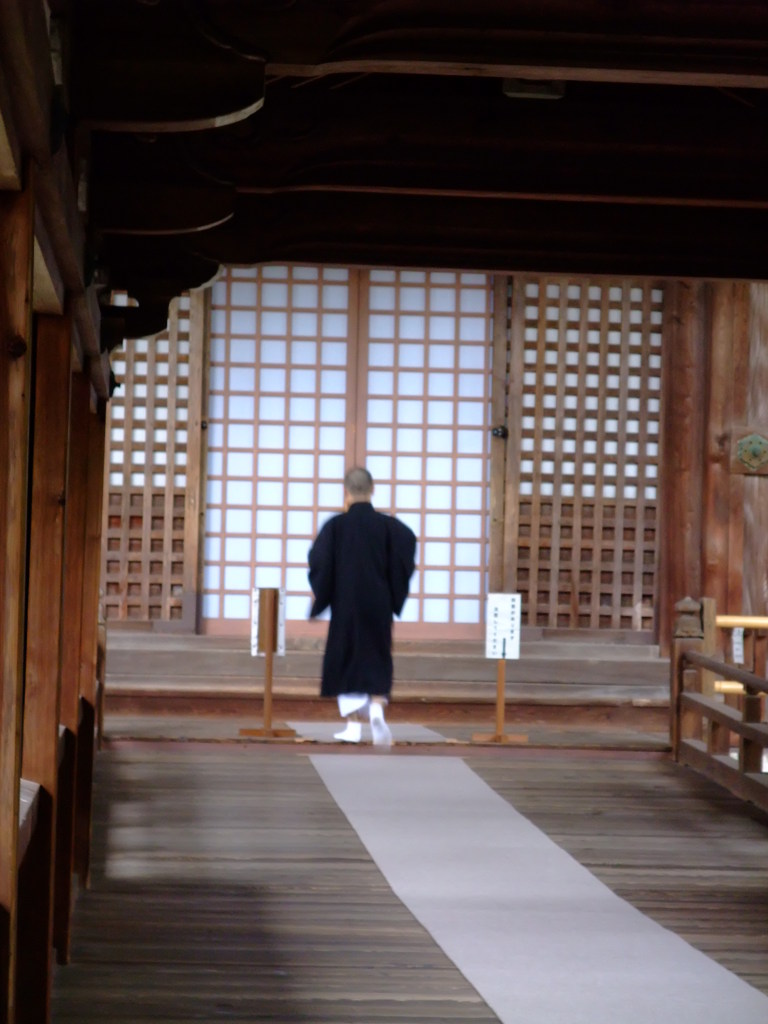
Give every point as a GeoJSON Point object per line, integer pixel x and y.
{"type": "Point", "coordinates": [683, 384]}
{"type": "Point", "coordinates": [514, 440]}
{"type": "Point", "coordinates": [71, 627]}
{"type": "Point", "coordinates": [498, 423]}
{"type": "Point", "coordinates": [194, 506]}
{"type": "Point", "coordinates": [16, 357]}
{"type": "Point", "coordinates": [89, 638]}
{"type": "Point", "coordinates": [43, 651]}
{"type": "Point", "coordinates": [755, 486]}
{"type": "Point", "coordinates": [687, 636]}
{"type": "Point", "coordinates": [750, 752]}
{"type": "Point", "coordinates": [722, 491]}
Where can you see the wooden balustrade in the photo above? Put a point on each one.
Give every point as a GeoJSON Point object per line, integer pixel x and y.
{"type": "Point", "coordinates": [715, 705]}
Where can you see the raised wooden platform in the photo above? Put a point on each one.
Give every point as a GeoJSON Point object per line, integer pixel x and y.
{"type": "Point", "coordinates": [555, 675]}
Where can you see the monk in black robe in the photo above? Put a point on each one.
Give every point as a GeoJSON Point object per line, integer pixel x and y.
{"type": "Point", "coordinates": [359, 567]}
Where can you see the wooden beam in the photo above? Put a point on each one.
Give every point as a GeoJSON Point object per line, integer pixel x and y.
{"type": "Point", "coordinates": [25, 54]}
{"type": "Point", "coordinates": [26, 61]}
{"type": "Point", "coordinates": [706, 44]}
{"type": "Point", "coordinates": [425, 138]}
{"type": "Point", "coordinates": [43, 665]}
{"type": "Point", "coordinates": [158, 208]}
{"type": "Point", "coordinates": [10, 151]}
{"type": "Point", "coordinates": [489, 234]}
{"type": "Point", "coordinates": [550, 70]}
{"type": "Point", "coordinates": [185, 83]}
{"type": "Point", "coordinates": [16, 356]}
{"type": "Point", "coordinates": [48, 287]}
{"type": "Point", "coordinates": [681, 449]}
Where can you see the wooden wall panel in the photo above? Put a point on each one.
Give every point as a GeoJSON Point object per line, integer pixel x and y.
{"type": "Point", "coordinates": [582, 474]}
{"type": "Point", "coordinates": [74, 549]}
{"type": "Point", "coordinates": [43, 644]}
{"type": "Point", "coordinates": [72, 629]}
{"type": "Point", "coordinates": [16, 358]}
{"type": "Point", "coordinates": [46, 558]}
{"type": "Point", "coordinates": [89, 643]}
{"type": "Point", "coordinates": [92, 564]}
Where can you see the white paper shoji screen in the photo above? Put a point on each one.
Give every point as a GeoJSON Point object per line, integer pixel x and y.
{"type": "Point", "coordinates": [587, 474]}
{"type": "Point", "coordinates": [427, 432]}
{"type": "Point", "coordinates": [282, 377]}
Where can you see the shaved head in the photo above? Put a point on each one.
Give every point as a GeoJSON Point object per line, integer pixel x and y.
{"type": "Point", "coordinates": [358, 483]}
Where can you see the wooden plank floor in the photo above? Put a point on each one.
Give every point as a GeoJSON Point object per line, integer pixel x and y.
{"type": "Point", "coordinates": [227, 885]}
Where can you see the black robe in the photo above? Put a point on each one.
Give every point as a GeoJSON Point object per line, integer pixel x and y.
{"type": "Point", "coordinates": [359, 567]}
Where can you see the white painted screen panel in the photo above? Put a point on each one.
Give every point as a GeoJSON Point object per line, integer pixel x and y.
{"type": "Point", "coordinates": [277, 441]}
{"type": "Point", "coordinates": [426, 439]}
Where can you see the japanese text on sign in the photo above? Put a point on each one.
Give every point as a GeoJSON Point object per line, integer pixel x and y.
{"type": "Point", "coordinates": [502, 626]}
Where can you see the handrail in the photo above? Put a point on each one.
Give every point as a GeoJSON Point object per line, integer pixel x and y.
{"type": "Point", "coordinates": [739, 675]}
{"type": "Point", "coordinates": [703, 727]}
{"type": "Point", "coordinates": [742, 621]}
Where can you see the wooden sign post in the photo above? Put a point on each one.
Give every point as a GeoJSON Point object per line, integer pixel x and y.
{"type": "Point", "coordinates": [502, 642]}
{"type": "Point", "coordinates": [268, 637]}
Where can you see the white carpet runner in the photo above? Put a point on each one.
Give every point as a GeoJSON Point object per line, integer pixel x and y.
{"type": "Point", "coordinates": [541, 939]}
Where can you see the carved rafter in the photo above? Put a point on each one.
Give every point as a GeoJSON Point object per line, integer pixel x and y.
{"type": "Point", "coordinates": [385, 135]}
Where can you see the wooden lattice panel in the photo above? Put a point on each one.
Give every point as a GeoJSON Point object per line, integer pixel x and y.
{"type": "Point", "coordinates": [143, 570]}
{"type": "Point", "coordinates": [585, 402]}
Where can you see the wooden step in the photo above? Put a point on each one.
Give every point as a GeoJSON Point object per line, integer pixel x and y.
{"type": "Point", "coordinates": [143, 666]}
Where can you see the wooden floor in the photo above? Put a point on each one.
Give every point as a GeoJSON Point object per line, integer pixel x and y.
{"type": "Point", "coordinates": [227, 885]}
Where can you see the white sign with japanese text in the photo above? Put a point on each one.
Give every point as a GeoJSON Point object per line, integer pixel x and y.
{"type": "Point", "coordinates": [502, 626]}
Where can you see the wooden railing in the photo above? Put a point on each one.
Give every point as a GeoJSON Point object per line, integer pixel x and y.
{"type": "Point", "coordinates": [716, 706]}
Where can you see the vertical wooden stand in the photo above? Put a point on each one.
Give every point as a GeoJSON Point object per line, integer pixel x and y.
{"type": "Point", "coordinates": [267, 644]}
{"type": "Point", "coordinates": [500, 736]}
{"type": "Point", "coordinates": [502, 641]}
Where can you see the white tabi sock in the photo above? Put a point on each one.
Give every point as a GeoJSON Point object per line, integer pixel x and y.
{"type": "Point", "coordinates": [351, 734]}
{"type": "Point", "coordinates": [382, 735]}
{"type": "Point", "coordinates": [351, 702]}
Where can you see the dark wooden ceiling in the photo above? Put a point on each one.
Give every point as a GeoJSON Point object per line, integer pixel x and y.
{"type": "Point", "coordinates": [417, 133]}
